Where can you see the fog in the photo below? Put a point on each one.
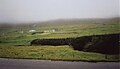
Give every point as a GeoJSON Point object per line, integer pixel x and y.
{"type": "Point", "coordinates": [16, 11]}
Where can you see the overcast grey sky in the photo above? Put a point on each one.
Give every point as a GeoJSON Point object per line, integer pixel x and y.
{"type": "Point", "coordinates": [41, 10]}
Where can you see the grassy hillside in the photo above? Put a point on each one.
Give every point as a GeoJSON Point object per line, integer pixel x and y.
{"type": "Point", "coordinates": [19, 34]}
{"type": "Point", "coordinates": [15, 39]}
{"type": "Point", "coordinates": [52, 53]}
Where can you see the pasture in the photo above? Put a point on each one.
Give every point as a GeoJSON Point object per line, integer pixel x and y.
{"type": "Point", "coordinates": [20, 35]}
{"type": "Point", "coordinates": [15, 39]}
{"type": "Point", "coordinates": [64, 53]}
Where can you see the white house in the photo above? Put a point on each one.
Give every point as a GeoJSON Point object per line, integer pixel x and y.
{"type": "Point", "coordinates": [49, 31]}
{"type": "Point", "coordinates": [32, 31]}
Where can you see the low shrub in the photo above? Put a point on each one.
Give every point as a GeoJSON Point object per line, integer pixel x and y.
{"type": "Point", "coordinates": [107, 44]}
{"type": "Point", "coordinates": [54, 42]}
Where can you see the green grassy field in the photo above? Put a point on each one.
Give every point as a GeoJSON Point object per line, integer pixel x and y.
{"type": "Point", "coordinates": [11, 37]}
{"type": "Point", "coordinates": [52, 53]}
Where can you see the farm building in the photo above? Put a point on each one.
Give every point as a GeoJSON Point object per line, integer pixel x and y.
{"type": "Point", "coordinates": [49, 31]}
{"type": "Point", "coordinates": [30, 31]}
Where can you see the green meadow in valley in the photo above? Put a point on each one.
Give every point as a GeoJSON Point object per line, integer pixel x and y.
{"type": "Point", "coordinates": [15, 39]}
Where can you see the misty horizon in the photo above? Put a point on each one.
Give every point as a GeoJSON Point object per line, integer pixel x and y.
{"type": "Point", "coordinates": [93, 20]}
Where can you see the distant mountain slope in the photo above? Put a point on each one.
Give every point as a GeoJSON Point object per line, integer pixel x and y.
{"type": "Point", "coordinates": [60, 22]}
